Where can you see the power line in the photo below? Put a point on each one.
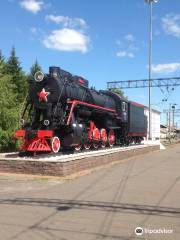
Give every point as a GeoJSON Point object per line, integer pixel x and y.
{"type": "Point", "coordinates": [144, 83]}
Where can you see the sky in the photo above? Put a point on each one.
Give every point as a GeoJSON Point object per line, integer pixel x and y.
{"type": "Point", "coordinates": [100, 40]}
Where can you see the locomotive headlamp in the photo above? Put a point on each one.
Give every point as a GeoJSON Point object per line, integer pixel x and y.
{"type": "Point", "coordinates": [21, 122]}
{"type": "Point", "coordinates": [46, 122]}
{"type": "Point", "coordinates": [39, 76]}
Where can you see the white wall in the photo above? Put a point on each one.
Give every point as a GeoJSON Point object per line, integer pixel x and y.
{"type": "Point", "coordinates": [155, 124]}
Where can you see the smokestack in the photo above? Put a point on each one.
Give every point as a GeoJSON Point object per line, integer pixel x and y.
{"type": "Point", "coordinates": [54, 72]}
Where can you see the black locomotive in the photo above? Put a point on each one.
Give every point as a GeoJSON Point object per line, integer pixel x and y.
{"type": "Point", "coordinates": [62, 112]}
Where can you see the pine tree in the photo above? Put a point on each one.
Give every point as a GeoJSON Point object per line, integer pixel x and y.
{"type": "Point", "coordinates": [2, 63]}
{"type": "Point", "coordinates": [2, 59]}
{"type": "Point", "coordinates": [8, 113]}
{"type": "Point", "coordinates": [13, 88]}
{"type": "Point", "coordinates": [35, 68]}
{"type": "Point", "coordinates": [18, 77]}
{"type": "Point", "coordinates": [13, 65]}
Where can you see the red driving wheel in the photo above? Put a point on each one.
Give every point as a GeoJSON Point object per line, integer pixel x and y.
{"type": "Point", "coordinates": [103, 137]}
{"type": "Point", "coordinates": [111, 138]}
{"type": "Point", "coordinates": [55, 144]}
{"type": "Point", "coordinates": [95, 145]}
{"type": "Point", "coordinates": [96, 134]}
{"type": "Point", "coordinates": [87, 146]}
{"type": "Point", "coordinates": [78, 147]}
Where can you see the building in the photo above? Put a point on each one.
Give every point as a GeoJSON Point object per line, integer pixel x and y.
{"type": "Point", "coordinates": [155, 123]}
{"type": "Point", "coordinates": [178, 132]}
{"type": "Point", "coordinates": [164, 132]}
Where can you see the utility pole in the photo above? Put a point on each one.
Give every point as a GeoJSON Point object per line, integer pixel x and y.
{"type": "Point", "coordinates": [173, 110]}
{"type": "Point", "coordinates": [173, 115]}
{"type": "Point", "coordinates": [150, 2]}
{"type": "Point", "coordinates": [150, 68]}
{"type": "Point", "coordinates": [170, 117]}
{"type": "Point", "coordinates": [170, 120]}
{"type": "Point", "coordinates": [167, 118]}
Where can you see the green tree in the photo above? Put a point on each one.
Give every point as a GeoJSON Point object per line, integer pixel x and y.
{"type": "Point", "coordinates": [8, 113]}
{"type": "Point", "coordinates": [118, 91]}
{"type": "Point", "coordinates": [2, 63]}
{"type": "Point", "coordinates": [35, 68]}
{"type": "Point", "coordinates": [18, 77]}
{"type": "Point", "coordinates": [2, 59]}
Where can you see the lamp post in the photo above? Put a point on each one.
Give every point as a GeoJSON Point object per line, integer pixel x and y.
{"type": "Point", "coordinates": [150, 2]}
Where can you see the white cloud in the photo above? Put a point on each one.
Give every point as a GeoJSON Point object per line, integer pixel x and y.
{"type": "Point", "coordinates": [171, 24]}
{"type": "Point", "coordinates": [166, 68]}
{"type": "Point", "coordinates": [129, 37]}
{"type": "Point", "coordinates": [33, 6]}
{"type": "Point", "coordinates": [124, 54]}
{"type": "Point", "coordinates": [71, 35]}
{"type": "Point", "coordinates": [66, 21]}
{"type": "Point", "coordinates": [67, 39]}
{"type": "Point", "coordinates": [127, 47]}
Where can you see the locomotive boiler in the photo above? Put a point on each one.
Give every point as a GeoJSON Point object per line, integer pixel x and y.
{"type": "Point", "coordinates": [62, 112]}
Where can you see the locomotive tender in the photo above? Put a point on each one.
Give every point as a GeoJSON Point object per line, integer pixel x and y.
{"type": "Point", "coordinates": [62, 112]}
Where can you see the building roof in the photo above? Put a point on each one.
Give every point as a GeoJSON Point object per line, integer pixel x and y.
{"type": "Point", "coordinates": [163, 126]}
{"type": "Point", "coordinates": [137, 104]}
{"type": "Point", "coordinates": [154, 110]}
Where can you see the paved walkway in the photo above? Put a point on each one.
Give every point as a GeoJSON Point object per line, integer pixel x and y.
{"type": "Point", "coordinates": [107, 204]}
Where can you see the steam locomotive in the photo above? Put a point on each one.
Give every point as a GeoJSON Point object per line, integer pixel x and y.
{"type": "Point", "coordinates": [61, 112]}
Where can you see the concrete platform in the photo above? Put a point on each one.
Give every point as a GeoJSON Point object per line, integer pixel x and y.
{"type": "Point", "coordinates": [109, 204]}
{"type": "Point", "coordinates": [63, 165]}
